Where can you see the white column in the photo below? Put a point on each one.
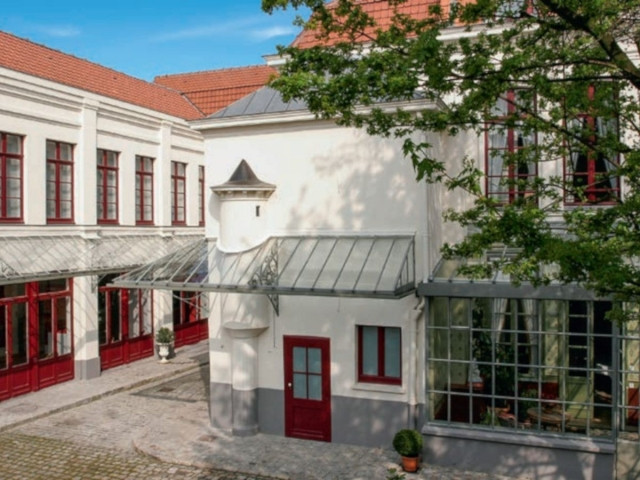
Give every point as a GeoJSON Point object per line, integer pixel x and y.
{"type": "Point", "coordinates": [84, 166]}
{"type": "Point", "coordinates": [244, 377]}
{"type": "Point", "coordinates": [85, 327]}
{"type": "Point", "coordinates": [162, 177]}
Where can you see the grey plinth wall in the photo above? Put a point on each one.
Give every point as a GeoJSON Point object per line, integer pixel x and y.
{"type": "Point", "coordinates": [522, 455]}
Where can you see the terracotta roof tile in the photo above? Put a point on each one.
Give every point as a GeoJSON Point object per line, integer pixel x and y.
{"type": "Point", "coordinates": [33, 59]}
{"type": "Point", "coordinates": [213, 90]}
{"type": "Point", "coordinates": [381, 12]}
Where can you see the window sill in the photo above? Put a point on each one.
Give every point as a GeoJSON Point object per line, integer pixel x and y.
{"type": "Point", "coordinates": [379, 387]}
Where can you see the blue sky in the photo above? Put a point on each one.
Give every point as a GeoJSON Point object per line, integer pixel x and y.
{"type": "Point", "coordinates": [145, 38]}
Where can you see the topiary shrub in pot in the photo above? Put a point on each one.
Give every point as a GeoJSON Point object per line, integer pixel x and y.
{"type": "Point", "coordinates": [408, 443]}
{"type": "Point", "coordinates": [164, 342]}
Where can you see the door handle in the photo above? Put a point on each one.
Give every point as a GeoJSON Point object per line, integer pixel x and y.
{"type": "Point", "coordinates": [289, 385]}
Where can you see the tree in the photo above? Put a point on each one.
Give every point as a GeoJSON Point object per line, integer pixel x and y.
{"type": "Point", "coordinates": [550, 81]}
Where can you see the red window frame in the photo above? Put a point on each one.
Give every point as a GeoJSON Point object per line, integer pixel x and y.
{"type": "Point", "coordinates": [105, 169]}
{"type": "Point", "coordinates": [178, 193]}
{"type": "Point", "coordinates": [511, 191]}
{"type": "Point", "coordinates": [201, 208]}
{"type": "Point", "coordinates": [187, 307]}
{"type": "Point", "coordinates": [588, 178]}
{"type": "Point", "coordinates": [6, 178]}
{"type": "Point", "coordinates": [381, 376]}
{"type": "Point", "coordinates": [144, 172]}
{"type": "Point", "coordinates": [55, 184]}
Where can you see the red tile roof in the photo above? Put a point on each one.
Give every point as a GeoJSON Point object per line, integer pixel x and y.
{"type": "Point", "coordinates": [380, 11]}
{"type": "Point", "coordinates": [213, 90]}
{"type": "Point", "coordinates": [33, 59]}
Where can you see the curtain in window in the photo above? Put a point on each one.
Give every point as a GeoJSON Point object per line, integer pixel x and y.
{"type": "Point", "coordinates": [497, 146]}
{"type": "Point", "coordinates": [498, 316]}
{"type": "Point", "coordinates": [603, 128]}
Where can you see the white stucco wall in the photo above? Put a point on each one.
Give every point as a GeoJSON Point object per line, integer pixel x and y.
{"type": "Point", "coordinates": [329, 180]}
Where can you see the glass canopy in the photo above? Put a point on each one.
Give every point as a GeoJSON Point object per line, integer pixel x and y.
{"type": "Point", "coordinates": [358, 266]}
{"type": "Point", "coordinates": [31, 258]}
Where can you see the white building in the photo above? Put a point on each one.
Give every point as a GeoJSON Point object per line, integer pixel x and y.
{"type": "Point", "coordinates": [99, 172]}
{"type": "Point", "coordinates": [331, 315]}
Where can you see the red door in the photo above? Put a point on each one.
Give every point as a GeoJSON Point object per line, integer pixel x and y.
{"type": "Point", "coordinates": [307, 397]}
{"type": "Point", "coordinates": [125, 320]}
{"type": "Point", "coordinates": [190, 318]}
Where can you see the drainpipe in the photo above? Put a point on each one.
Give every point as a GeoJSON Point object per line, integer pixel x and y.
{"type": "Point", "coordinates": [414, 362]}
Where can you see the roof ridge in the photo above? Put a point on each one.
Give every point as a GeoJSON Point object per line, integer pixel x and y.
{"type": "Point", "coordinates": [213, 70]}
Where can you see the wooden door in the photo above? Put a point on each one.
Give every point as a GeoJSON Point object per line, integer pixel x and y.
{"type": "Point", "coordinates": [307, 388]}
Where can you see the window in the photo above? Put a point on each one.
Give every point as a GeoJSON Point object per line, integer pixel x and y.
{"type": "Point", "coordinates": [523, 364]}
{"type": "Point", "coordinates": [201, 195]}
{"type": "Point", "coordinates": [107, 186]}
{"type": "Point", "coordinates": [144, 190]}
{"type": "Point", "coordinates": [590, 174]}
{"type": "Point", "coordinates": [11, 157]}
{"type": "Point", "coordinates": [189, 307]}
{"type": "Point", "coordinates": [178, 193]}
{"type": "Point", "coordinates": [509, 174]}
{"type": "Point", "coordinates": [379, 355]}
{"type": "Point", "coordinates": [59, 182]}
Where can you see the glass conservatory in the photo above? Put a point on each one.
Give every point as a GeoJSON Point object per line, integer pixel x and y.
{"type": "Point", "coordinates": [525, 359]}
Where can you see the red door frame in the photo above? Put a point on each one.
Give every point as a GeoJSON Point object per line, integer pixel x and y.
{"type": "Point", "coordinates": [123, 350]}
{"type": "Point", "coordinates": [37, 372]}
{"type": "Point", "coordinates": [188, 322]}
{"type": "Point", "coordinates": [304, 417]}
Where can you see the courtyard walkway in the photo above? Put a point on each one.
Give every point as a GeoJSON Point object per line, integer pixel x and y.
{"type": "Point", "coordinates": [150, 421]}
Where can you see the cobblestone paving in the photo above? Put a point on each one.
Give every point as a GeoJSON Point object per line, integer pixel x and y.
{"type": "Point", "coordinates": [168, 419]}
{"type": "Point", "coordinates": [27, 457]}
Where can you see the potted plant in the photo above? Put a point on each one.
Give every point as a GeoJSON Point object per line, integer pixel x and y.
{"type": "Point", "coordinates": [164, 341]}
{"type": "Point", "coordinates": [408, 443]}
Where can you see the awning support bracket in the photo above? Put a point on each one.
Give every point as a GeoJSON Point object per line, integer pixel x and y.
{"type": "Point", "coordinates": [267, 274]}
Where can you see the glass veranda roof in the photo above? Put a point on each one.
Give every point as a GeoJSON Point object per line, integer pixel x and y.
{"type": "Point", "coordinates": [33, 258]}
{"type": "Point", "coordinates": [358, 266]}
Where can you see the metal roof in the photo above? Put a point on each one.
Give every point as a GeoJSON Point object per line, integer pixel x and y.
{"type": "Point", "coordinates": [356, 266]}
{"type": "Point", "coordinates": [263, 100]}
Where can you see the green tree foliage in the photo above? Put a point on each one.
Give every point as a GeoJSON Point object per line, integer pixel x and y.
{"type": "Point", "coordinates": [574, 67]}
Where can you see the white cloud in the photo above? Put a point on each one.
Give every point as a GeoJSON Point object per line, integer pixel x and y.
{"type": "Point", "coordinates": [252, 27]}
{"type": "Point", "coordinates": [60, 31]}
{"type": "Point", "coordinates": [272, 32]}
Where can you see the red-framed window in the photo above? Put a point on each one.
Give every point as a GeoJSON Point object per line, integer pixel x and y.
{"type": "Point", "coordinates": [54, 318]}
{"type": "Point", "coordinates": [144, 190]}
{"type": "Point", "coordinates": [59, 182]}
{"type": "Point", "coordinates": [11, 160]}
{"type": "Point", "coordinates": [189, 307]}
{"type": "Point", "coordinates": [107, 186]}
{"type": "Point", "coordinates": [507, 177]}
{"type": "Point", "coordinates": [201, 195]}
{"type": "Point", "coordinates": [123, 313]}
{"type": "Point", "coordinates": [379, 355]}
{"type": "Point", "coordinates": [589, 176]}
{"type": "Point", "coordinates": [178, 193]}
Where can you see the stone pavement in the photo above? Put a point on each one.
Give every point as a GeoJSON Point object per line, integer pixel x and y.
{"type": "Point", "coordinates": [150, 421]}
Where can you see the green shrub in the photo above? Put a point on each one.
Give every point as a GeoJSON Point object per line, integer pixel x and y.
{"type": "Point", "coordinates": [164, 335]}
{"type": "Point", "coordinates": [408, 443]}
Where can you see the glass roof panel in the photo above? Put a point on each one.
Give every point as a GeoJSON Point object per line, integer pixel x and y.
{"type": "Point", "coordinates": [32, 258]}
{"type": "Point", "coordinates": [357, 266]}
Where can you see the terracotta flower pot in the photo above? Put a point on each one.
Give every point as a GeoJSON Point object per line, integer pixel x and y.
{"type": "Point", "coordinates": [410, 464]}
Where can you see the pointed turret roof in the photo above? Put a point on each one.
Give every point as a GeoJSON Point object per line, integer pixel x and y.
{"type": "Point", "coordinates": [243, 178]}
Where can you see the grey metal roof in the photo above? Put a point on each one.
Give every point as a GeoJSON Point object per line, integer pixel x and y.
{"type": "Point", "coordinates": [447, 280]}
{"type": "Point", "coordinates": [33, 258]}
{"type": "Point", "coordinates": [243, 177]}
{"type": "Point", "coordinates": [356, 266]}
{"type": "Point", "coordinates": [263, 100]}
